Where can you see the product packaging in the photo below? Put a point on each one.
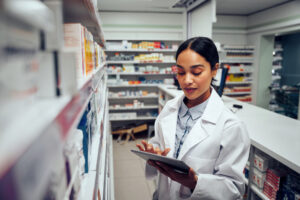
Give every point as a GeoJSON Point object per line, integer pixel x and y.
{"type": "Point", "coordinates": [54, 37]}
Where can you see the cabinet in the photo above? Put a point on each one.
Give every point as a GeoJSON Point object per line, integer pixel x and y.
{"type": "Point", "coordinates": [55, 141]}
{"type": "Point", "coordinates": [239, 60]}
{"type": "Point", "coordinates": [135, 69]}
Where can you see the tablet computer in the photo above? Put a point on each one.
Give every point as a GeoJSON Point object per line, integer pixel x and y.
{"type": "Point", "coordinates": [177, 165]}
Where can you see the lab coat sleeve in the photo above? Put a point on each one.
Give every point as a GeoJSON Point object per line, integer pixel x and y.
{"type": "Point", "coordinates": [227, 180]}
{"type": "Point", "coordinates": [151, 172]}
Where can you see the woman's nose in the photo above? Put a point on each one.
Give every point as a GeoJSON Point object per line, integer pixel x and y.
{"type": "Point", "coordinates": [188, 78]}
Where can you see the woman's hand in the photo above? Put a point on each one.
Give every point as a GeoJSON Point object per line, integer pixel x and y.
{"type": "Point", "coordinates": [149, 148]}
{"type": "Point", "coordinates": [188, 180]}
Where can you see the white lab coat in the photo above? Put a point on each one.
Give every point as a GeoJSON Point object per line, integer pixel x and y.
{"type": "Point", "coordinates": [217, 148]}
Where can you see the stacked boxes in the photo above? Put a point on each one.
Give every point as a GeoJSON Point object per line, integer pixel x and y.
{"type": "Point", "coordinates": [74, 40]}
{"type": "Point", "coordinates": [259, 170]}
{"type": "Point", "coordinates": [144, 45]}
{"type": "Point", "coordinates": [272, 184]}
{"type": "Point", "coordinates": [89, 55]}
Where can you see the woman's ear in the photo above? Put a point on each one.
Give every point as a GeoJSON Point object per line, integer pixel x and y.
{"type": "Point", "coordinates": [215, 69]}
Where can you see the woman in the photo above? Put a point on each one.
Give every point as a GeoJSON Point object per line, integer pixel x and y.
{"type": "Point", "coordinates": [198, 129]}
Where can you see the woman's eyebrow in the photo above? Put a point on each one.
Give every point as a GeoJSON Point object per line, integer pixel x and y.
{"type": "Point", "coordinates": [193, 66]}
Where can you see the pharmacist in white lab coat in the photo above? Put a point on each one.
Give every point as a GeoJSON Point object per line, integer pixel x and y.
{"type": "Point", "coordinates": [198, 129]}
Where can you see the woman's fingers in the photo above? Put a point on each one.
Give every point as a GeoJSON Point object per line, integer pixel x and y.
{"type": "Point", "coordinates": [140, 147]}
{"type": "Point", "coordinates": [145, 144]}
{"type": "Point", "coordinates": [150, 148]}
{"type": "Point", "coordinates": [157, 151]}
{"type": "Point", "coordinates": [165, 152]}
{"type": "Point", "coordinates": [193, 175]}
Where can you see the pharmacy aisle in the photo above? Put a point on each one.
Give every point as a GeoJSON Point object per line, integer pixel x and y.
{"type": "Point", "coordinates": [129, 172]}
{"type": "Point", "coordinates": [54, 140]}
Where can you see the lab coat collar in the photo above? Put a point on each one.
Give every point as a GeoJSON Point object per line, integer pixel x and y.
{"type": "Point", "coordinates": [212, 110]}
{"type": "Point", "coordinates": [202, 128]}
{"type": "Point", "coordinates": [205, 125]}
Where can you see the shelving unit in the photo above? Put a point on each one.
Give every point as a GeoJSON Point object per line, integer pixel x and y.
{"type": "Point", "coordinates": [137, 97]}
{"type": "Point", "coordinates": [141, 118]}
{"type": "Point", "coordinates": [239, 60]}
{"type": "Point", "coordinates": [43, 153]}
{"type": "Point", "coordinates": [134, 86]}
{"type": "Point", "coordinates": [141, 62]}
{"type": "Point", "coordinates": [138, 67]}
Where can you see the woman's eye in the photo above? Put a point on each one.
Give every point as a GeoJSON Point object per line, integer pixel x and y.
{"type": "Point", "coordinates": [197, 73]}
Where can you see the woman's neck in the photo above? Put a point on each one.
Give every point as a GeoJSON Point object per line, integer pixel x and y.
{"type": "Point", "coordinates": [191, 103]}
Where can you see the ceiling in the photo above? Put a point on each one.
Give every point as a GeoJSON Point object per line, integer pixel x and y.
{"type": "Point", "coordinates": [228, 7]}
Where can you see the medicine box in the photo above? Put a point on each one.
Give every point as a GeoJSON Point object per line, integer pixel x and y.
{"type": "Point", "coordinates": [261, 162]}
{"type": "Point", "coordinates": [74, 40]}
{"type": "Point", "coordinates": [54, 37]}
{"type": "Point", "coordinates": [258, 178]}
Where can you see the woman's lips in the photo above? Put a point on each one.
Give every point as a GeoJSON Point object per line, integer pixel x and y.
{"type": "Point", "coordinates": [190, 90]}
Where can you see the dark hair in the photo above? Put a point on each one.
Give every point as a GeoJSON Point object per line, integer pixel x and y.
{"type": "Point", "coordinates": [203, 46]}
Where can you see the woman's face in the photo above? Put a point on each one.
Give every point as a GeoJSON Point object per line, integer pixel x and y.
{"type": "Point", "coordinates": [194, 75]}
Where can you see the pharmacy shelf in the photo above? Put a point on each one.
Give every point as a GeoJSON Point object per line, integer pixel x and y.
{"type": "Point", "coordinates": [84, 12]}
{"type": "Point", "coordinates": [277, 58]}
{"type": "Point", "coordinates": [63, 113]}
{"type": "Point", "coordinates": [87, 186]}
{"type": "Point", "coordinates": [276, 67]}
{"type": "Point", "coordinates": [237, 60]}
{"type": "Point", "coordinates": [244, 72]}
{"type": "Point", "coordinates": [142, 50]}
{"type": "Point", "coordinates": [139, 62]}
{"type": "Point", "coordinates": [69, 188]}
{"type": "Point", "coordinates": [32, 13]}
{"type": "Point", "coordinates": [96, 75]}
{"type": "Point", "coordinates": [278, 49]}
{"type": "Point", "coordinates": [133, 86]}
{"type": "Point", "coordinates": [134, 119]}
{"type": "Point", "coordinates": [132, 108]}
{"type": "Point", "coordinates": [237, 51]}
{"type": "Point", "coordinates": [18, 135]}
{"type": "Point", "coordinates": [238, 47]}
{"type": "Point", "coordinates": [103, 156]}
{"type": "Point", "coordinates": [238, 83]}
{"type": "Point", "coordinates": [141, 74]}
{"type": "Point", "coordinates": [136, 97]}
{"type": "Point", "coordinates": [236, 93]}
{"type": "Point", "coordinates": [259, 192]}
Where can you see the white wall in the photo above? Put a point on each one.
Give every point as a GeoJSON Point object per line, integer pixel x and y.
{"type": "Point", "coordinates": [200, 20]}
{"type": "Point", "coordinates": [275, 21]}
{"type": "Point", "coordinates": [143, 26]}
{"type": "Point", "coordinates": [230, 30]}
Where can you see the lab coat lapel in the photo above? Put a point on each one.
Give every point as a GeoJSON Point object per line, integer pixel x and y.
{"type": "Point", "coordinates": [196, 135]}
{"type": "Point", "coordinates": [205, 125]}
{"type": "Point", "coordinates": [169, 122]}
{"type": "Point", "coordinates": [168, 125]}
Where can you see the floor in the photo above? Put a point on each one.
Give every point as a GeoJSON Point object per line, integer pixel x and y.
{"type": "Point", "coordinates": [129, 173]}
